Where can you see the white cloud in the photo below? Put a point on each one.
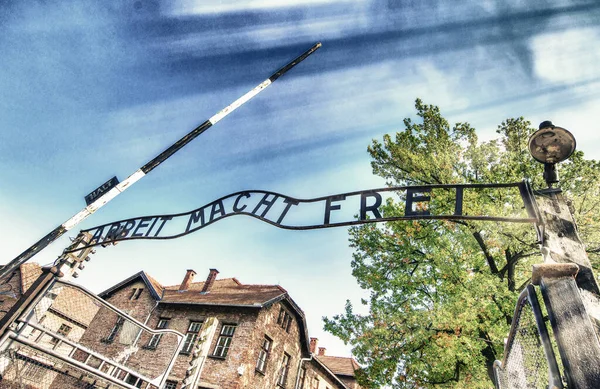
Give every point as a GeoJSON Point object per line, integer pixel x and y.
{"type": "Point", "coordinates": [566, 56]}
{"type": "Point", "coordinates": [183, 7]}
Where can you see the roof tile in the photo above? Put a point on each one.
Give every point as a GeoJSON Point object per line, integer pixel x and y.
{"type": "Point", "coordinates": [340, 365]}
{"type": "Point", "coordinates": [227, 291]}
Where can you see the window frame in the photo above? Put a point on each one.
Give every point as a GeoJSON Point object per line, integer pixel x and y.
{"type": "Point", "coordinates": [284, 320]}
{"type": "Point", "coordinates": [315, 381]}
{"type": "Point", "coordinates": [284, 370]}
{"type": "Point", "coordinates": [133, 380]}
{"type": "Point", "coordinates": [34, 372]}
{"type": "Point", "coordinates": [155, 339]}
{"type": "Point", "coordinates": [170, 382]}
{"type": "Point", "coordinates": [115, 330]}
{"type": "Point", "coordinates": [62, 332]}
{"type": "Point", "coordinates": [136, 293]}
{"type": "Point", "coordinates": [191, 336]}
{"type": "Point", "coordinates": [224, 341]}
{"type": "Point", "coordinates": [263, 355]}
{"type": "Point", "coordinates": [301, 378]}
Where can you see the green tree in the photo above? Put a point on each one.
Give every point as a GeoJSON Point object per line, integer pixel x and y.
{"type": "Point", "coordinates": [442, 293]}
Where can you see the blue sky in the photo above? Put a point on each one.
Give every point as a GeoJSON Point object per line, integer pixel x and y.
{"type": "Point", "coordinates": [92, 89]}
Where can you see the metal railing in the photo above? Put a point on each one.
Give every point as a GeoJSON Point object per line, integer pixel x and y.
{"type": "Point", "coordinates": [70, 338]}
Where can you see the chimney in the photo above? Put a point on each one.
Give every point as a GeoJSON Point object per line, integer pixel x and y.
{"type": "Point", "coordinates": [313, 345]}
{"type": "Point", "coordinates": [209, 280]}
{"type": "Point", "coordinates": [187, 280]}
{"type": "Point", "coordinates": [322, 351]}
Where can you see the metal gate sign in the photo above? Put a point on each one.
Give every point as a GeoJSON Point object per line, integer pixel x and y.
{"type": "Point", "coordinates": [353, 208]}
{"type": "Point", "coordinates": [101, 190]}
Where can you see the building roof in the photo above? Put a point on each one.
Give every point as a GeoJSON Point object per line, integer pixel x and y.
{"type": "Point", "coordinates": [332, 375]}
{"type": "Point", "coordinates": [340, 365]}
{"type": "Point", "coordinates": [155, 288]}
{"type": "Point", "coordinates": [227, 292]}
{"type": "Point", "coordinates": [29, 273]}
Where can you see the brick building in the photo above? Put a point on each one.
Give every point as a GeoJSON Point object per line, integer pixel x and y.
{"type": "Point", "coordinates": [235, 335]}
{"type": "Point", "coordinates": [254, 336]}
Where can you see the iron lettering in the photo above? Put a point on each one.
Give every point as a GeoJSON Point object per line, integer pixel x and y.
{"type": "Point", "coordinates": [367, 206]}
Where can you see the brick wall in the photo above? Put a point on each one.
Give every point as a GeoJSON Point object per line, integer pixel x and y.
{"type": "Point", "coordinates": [11, 292]}
{"type": "Point", "coordinates": [126, 348]}
{"type": "Point", "coordinates": [237, 369]}
{"type": "Point", "coordinates": [221, 371]}
{"type": "Point", "coordinates": [283, 342]}
{"type": "Point", "coordinates": [138, 308]}
{"type": "Point", "coordinates": [314, 370]}
{"type": "Point", "coordinates": [350, 382]}
{"type": "Point", "coordinates": [16, 283]}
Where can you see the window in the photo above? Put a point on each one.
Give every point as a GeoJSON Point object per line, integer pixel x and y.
{"type": "Point", "coordinates": [162, 324]}
{"type": "Point", "coordinates": [224, 341]}
{"type": "Point", "coordinates": [33, 372]}
{"type": "Point", "coordinates": [115, 330]}
{"type": "Point", "coordinates": [170, 385]}
{"type": "Point", "coordinates": [134, 380]}
{"type": "Point", "coordinates": [191, 336]}
{"type": "Point", "coordinates": [136, 293]}
{"type": "Point", "coordinates": [315, 383]}
{"type": "Point", "coordinates": [301, 378]}
{"type": "Point", "coordinates": [263, 355]}
{"type": "Point", "coordinates": [283, 371]}
{"type": "Point", "coordinates": [284, 320]}
{"type": "Point", "coordinates": [62, 331]}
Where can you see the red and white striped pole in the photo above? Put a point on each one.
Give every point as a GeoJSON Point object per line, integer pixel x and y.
{"type": "Point", "coordinates": [147, 168]}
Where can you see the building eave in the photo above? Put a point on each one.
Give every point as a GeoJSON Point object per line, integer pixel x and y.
{"type": "Point", "coordinates": [332, 374]}
{"type": "Point", "coordinates": [305, 343]}
{"type": "Point", "coordinates": [259, 306]}
{"type": "Point", "coordinates": [140, 274]}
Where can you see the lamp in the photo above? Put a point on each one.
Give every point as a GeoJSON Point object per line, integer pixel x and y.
{"type": "Point", "coordinates": [551, 145]}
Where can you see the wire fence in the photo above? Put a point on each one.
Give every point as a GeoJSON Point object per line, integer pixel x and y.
{"type": "Point", "coordinates": [14, 284]}
{"type": "Point", "coordinates": [71, 338]}
{"type": "Point", "coordinates": [529, 361]}
{"type": "Point", "coordinates": [26, 368]}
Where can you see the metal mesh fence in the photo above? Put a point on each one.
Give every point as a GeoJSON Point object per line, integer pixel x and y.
{"type": "Point", "coordinates": [69, 326]}
{"type": "Point", "coordinates": [527, 363]}
{"type": "Point", "coordinates": [15, 283]}
{"type": "Point", "coordinates": [23, 367]}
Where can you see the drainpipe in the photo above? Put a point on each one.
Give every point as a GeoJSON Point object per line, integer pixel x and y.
{"type": "Point", "coordinates": [299, 366]}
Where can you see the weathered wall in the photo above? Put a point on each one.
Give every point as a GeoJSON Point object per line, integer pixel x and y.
{"type": "Point", "coordinates": [237, 370]}
{"type": "Point", "coordinates": [314, 370]}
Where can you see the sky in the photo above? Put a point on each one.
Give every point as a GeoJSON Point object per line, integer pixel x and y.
{"type": "Point", "coordinates": [93, 89]}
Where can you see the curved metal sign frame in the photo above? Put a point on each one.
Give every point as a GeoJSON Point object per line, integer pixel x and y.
{"type": "Point", "coordinates": [274, 208]}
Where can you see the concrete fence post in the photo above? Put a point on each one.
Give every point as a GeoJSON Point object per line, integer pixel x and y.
{"type": "Point", "coordinates": [564, 276]}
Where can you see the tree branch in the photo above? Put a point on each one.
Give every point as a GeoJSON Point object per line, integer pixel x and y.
{"type": "Point", "coordinates": [513, 259]}
{"type": "Point", "coordinates": [511, 269]}
{"type": "Point", "coordinates": [490, 260]}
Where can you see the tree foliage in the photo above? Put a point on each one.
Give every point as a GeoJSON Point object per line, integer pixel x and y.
{"type": "Point", "coordinates": [442, 293]}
